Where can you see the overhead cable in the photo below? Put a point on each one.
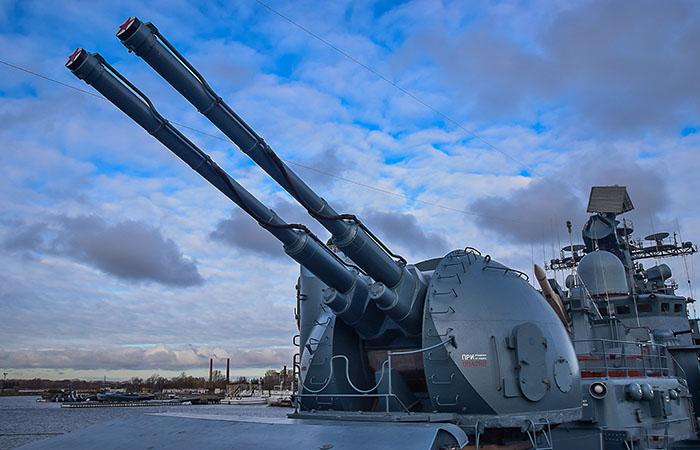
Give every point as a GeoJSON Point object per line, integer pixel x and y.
{"type": "Point", "coordinates": [384, 191]}
{"type": "Point", "coordinates": [404, 91]}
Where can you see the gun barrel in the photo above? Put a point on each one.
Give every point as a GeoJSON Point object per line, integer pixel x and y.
{"type": "Point", "coordinates": [352, 299]}
{"type": "Point", "coordinates": [145, 40]}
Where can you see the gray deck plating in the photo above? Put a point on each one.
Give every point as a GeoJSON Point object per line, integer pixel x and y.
{"type": "Point", "coordinates": [187, 431]}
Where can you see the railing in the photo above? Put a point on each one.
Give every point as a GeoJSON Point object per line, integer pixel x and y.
{"type": "Point", "coordinates": [316, 393]}
{"type": "Point", "coordinates": [649, 438]}
{"type": "Point", "coordinates": [545, 433]}
{"type": "Point", "coordinates": [296, 375]}
{"type": "Point", "coordinates": [619, 359]}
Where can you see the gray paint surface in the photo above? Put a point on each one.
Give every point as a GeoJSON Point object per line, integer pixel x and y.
{"type": "Point", "coordinates": [172, 431]}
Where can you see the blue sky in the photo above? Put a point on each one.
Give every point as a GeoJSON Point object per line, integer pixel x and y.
{"type": "Point", "coordinates": [118, 260]}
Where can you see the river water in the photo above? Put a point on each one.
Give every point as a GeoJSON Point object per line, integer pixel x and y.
{"type": "Point", "coordinates": [24, 420]}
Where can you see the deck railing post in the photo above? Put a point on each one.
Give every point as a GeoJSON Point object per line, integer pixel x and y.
{"type": "Point", "coordinates": [389, 381]}
{"type": "Point", "coordinates": [605, 358]}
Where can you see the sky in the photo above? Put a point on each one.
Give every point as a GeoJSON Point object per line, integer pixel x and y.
{"type": "Point", "coordinates": [487, 126]}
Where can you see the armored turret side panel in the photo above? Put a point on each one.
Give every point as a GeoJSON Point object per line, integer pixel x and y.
{"type": "Point", "coordinates": [507, 346]}
{"type": "Point", "coordinates": [309, 304]}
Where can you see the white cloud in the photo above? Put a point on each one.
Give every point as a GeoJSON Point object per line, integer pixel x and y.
{"type": "Point", "coordinates": [496, 69]}
{"type": "Point", "coordinates": [156, 357]}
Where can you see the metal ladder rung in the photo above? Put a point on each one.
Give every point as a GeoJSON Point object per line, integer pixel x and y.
{"type": "Point", "coordinates": [545, 432]}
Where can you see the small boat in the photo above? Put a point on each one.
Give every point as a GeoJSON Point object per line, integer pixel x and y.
{"type": "Point", "coordinates": [281, 400]}
{"type": "Point", "coordinates": [243, 401]}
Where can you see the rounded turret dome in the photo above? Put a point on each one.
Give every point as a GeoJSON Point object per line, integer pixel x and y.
{"type": "Point", "coordinates": [603, 274]}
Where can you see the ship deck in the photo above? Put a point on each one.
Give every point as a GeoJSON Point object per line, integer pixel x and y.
{"type": "Point", "coordinates": [187, 431]}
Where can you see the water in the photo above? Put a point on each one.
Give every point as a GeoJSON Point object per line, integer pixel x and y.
{"type": "Point", "coordinates": [24, 420]}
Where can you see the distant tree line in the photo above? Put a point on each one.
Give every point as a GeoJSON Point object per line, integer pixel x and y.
{"type": "Point", "coordinates": [155, 383]}
{"type": "Point", "coordinates": [183, 381]}
{"type": "Point", "coordinates": [40, 383]}
{"type": "Point", "coordinates": [277, 380]}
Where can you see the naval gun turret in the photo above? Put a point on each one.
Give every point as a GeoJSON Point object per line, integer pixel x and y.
{"type": "Point", "coordinates": [459, 339]}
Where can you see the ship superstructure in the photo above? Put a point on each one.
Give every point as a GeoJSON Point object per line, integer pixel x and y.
{"type": "Point", "coordinates": [635, 343]}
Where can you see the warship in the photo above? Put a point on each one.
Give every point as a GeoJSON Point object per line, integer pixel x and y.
{"type": "Point", "coordinates": [636, 344]}
{"type": "Point", "coordinates": [457, 351]}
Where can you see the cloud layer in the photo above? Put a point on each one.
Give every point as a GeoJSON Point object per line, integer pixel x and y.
{"type": "Point", "coordinates": [612, 67]}
{"type": "Point", "coordinates": [157, 357]}
{"type": "Point", "coordinates": [129, 250]}
{"type": "Point", "coordinates": [137, 262]}
{"type": "Point", "coordinates": [542, 206]}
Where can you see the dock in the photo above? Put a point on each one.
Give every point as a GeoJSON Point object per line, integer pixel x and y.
{"type": "Point", "coordinates": [119, 405]}
{"type": "Point", "coordinates": [206, 399]}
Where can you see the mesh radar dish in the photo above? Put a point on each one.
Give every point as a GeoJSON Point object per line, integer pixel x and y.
{"type": "Point", "coordinates": [609, 199]}
{"type": "Point", "coordinates": [657, 236]}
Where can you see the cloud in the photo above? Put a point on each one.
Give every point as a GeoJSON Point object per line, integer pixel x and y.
{"type": "Point", "coordinates": [404, 230]}
{"type": "Point", "coordinates": [242, 232]}
{"type": "Point", "coordinates": [532, 213]}
{"type": "Point", "coordinates": [526, 215]}
{"type": "Point", "coordinates": [158, 356]}
{"type": "Point", "coordinates": [29, 237]}
{"type": "Point", "coordinates": [585, 93]}
{"type": "Point", "coordinates": [613, 67]}
{"type": "Point", "coordinates": [328, 161]}
{"type": "Point", "coordinates": [129, 250]}
{"type": "Point", "coordinates": [397, 229]}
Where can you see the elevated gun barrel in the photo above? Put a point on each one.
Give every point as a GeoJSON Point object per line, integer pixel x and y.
{"type": "Point", "coordinates": [145, 40]}
{"type": "Point", "coordinates": [349, 297]}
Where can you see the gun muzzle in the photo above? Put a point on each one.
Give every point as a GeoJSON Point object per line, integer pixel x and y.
{"type": "Point", "coordinates": [352, 302]}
